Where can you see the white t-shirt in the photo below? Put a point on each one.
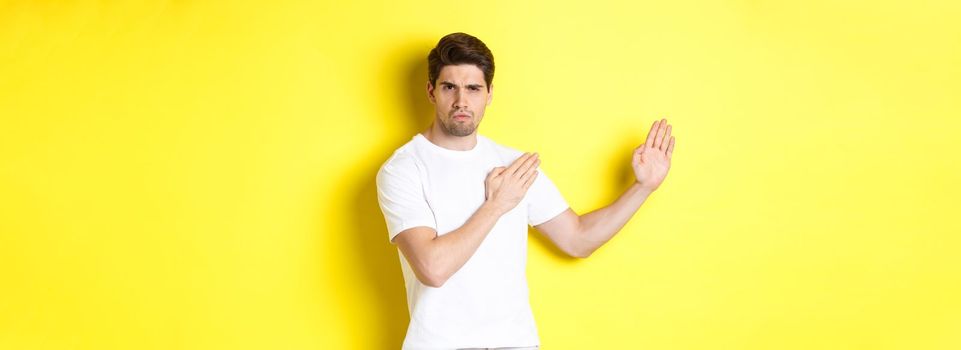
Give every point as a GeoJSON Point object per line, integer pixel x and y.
{"type": "Point", "coordinates": [486, 302]}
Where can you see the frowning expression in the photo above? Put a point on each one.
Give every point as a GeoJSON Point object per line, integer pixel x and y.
{"type": "Point", "coordinates": [460, 96]}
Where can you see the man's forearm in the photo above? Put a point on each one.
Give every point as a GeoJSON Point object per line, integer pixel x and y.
{"type": "Point", "coordinates": [452, 250]}
{"type": "Point", "coordinates": [599, 226]}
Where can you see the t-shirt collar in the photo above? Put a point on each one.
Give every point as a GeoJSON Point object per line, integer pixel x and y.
{"type": "Point", "coordinates": [419, 137]}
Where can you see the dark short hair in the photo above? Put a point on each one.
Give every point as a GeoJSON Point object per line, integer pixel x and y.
{"type": "Point", "coordinates": [460, 48]}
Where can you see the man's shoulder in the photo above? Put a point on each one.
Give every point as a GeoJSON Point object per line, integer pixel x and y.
{"type": "Point", "coordinates": [402, 160]}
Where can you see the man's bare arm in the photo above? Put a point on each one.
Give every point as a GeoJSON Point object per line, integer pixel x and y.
{"type": "Point", "coordinates": [580, 236]}
{"type": "Point", "coordinates": [435, 258]}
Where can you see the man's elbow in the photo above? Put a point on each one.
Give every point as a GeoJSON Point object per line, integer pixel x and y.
{"type": "Point", "coordinates": [433, 281]}
{"type": "Point", "coordinates": [582, 247]}
{"type": "Point", "coordinates": [432, 278]}
{"type": "Point", "coordinates": [579, 250]}
{"type": "Point", "coordinates": [579, 247]}
{"type": "Point", "coordinates": [581, 254]}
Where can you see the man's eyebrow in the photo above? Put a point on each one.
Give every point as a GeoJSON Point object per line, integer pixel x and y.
{"type": "Point", "coordinates": [445, 82]}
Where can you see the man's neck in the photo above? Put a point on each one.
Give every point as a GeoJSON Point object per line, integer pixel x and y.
{"type": "Point", "coordinates": [437, 136]}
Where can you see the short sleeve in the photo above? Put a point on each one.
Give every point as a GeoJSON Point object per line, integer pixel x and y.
{"type": "Point", "coordinates": [544, 200]}
{"type": "Point", "coordinates": [401, 196]}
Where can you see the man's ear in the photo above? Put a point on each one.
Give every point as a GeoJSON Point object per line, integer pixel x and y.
{"type": "Point", "coordinates": [430, 92]}
{"type": "Point", "coordinates": [490, 94]}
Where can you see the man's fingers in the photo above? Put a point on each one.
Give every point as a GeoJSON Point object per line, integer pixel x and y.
{"type": "Point", "coordinates": [526, 172]}
{"type": "Point", "coordinates": [517, 163]}
{"type": "Point", "coordinates": [530, 164]}
{"type": "Point", "coordinates": [495, 171]}
{"type": "Point", "coordinates": [667, 137]}
{"type": "Point", "coordinates": [670, 148]}
{"type": "Point", "coordinates": [525, 165]}
{"type": "Point", "coordinates": [650, 136]}
{"type": "Point", "coordinates": [530, 180]}
{"type": "Point", "coordinates": [659, 136]}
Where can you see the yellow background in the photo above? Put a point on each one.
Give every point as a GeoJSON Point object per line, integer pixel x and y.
{"type": "Point", "coordinates": [200, 174]}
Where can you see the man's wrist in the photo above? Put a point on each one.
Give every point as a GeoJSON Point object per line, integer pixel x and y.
{"type": "Point", "coordinates": [492, 208]}
{"type": "Point", "coordinates": [639, 188]}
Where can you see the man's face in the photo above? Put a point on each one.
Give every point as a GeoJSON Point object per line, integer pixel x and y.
{"type": "Point", "coordinates": [459, 97]}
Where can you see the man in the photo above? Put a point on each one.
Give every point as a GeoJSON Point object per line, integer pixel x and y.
{"type": "Point", "coordinates": [457, 206]}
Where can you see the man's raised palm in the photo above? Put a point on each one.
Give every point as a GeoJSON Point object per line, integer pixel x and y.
{"type": "Point", "coordinates": [652, 160]}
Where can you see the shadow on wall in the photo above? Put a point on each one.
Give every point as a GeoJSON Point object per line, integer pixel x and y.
{"type": "Point", "coordinates": [378, 259]}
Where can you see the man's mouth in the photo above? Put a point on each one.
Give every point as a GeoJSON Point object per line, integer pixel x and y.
{"type": "Point", "coordinates": [461, 116]}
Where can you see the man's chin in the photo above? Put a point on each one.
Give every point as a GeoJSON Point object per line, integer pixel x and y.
{"type": "Point", "coordinates": [461, 131]}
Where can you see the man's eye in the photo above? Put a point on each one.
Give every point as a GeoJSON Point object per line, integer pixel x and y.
{"type": "Point", "coordinates": [448, 87]}
{"type": "Point", "coordinates": [474, 88]}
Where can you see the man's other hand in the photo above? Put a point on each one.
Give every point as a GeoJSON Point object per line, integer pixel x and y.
{"type": "Point", "coordinates": [652, 159]}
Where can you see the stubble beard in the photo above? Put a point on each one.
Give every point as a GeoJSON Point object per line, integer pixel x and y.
{"type": "Point", "coordinates": [458, 128]}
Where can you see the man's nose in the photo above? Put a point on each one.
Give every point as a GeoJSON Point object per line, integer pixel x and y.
{"type": "Point", "coordinates": [460, 99]}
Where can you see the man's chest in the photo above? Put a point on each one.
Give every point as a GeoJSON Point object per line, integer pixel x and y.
{"type": "Point", "coordinates": [455, 191]}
